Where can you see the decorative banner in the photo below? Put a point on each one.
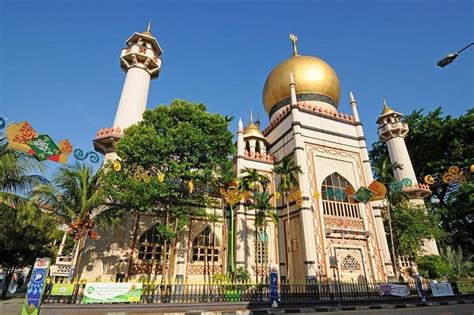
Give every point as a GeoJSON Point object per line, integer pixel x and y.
{"type": "Point", "coordinates": [62, 289]}
{"type": "Point", "coordinates": [441, 288]}
{"type": "Point", "coordinates": [19, 134]}
{"type": "Point", "coordinates": [43, 147]}
{"type": "Point", "coordinates": [349, 193]}
{"type": "Point", "coordinates": [393, 289]}
{"type": "Point", "coordinates": [22, 137]}
{"type": "Point", "coordinates": [316, 195]}
{"type": "Point", "coordinates": [117, 166]}
{"type": "Point", "coordinates": [379, 189]}
{"type": "Point", "coordinates": [398, 186]}
{"type": "Point", "coordinates": [95, 292]}
{"type": "Point", "coordinates": [36, 286]}
{"type": "Point", "coordinates": [454, 173]}
{"type": "Point", "coordinates": [296, 196]}
{"type": "Point", "coordinates": [93, 156]}
{"type": "Point", "coordinates": [363, 194]}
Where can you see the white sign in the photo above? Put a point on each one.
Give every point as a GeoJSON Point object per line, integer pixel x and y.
{"type": "Point", "coordinates": [394, 289]}
{"type": "Point", "coordinates": [441, 289]}
{"type": "Point", "coordinates": [112, 292]}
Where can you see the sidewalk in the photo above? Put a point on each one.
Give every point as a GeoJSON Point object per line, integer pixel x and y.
{"type": "Point", "coordinates": [249, 308]}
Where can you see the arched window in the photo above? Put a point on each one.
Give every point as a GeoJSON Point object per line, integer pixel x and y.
{"type": "Point", "coordinates": [350, 264]}
{"type": "Point", "coordinates": [336, 194]}
{"type": "Point", "coordinates": [150, 245]}
{"type": "Point", "coordinates": [206, 246]}
{"type": "Point", "coordinates": [261, 247]}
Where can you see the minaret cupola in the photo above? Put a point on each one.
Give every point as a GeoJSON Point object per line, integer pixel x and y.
{"type": "Point", "coordinates": [255, 141]}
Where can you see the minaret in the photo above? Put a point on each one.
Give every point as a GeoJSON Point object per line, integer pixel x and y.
{"type": "Point", "coordinates": [140, 59]}
{"type": "Point", "coordinates": [393, 132]}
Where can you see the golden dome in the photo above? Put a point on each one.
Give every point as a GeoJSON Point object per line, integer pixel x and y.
{"type": "Point", "coordinates": [253, 130]}
{"type": "Point", "coordinates": [312, 76]}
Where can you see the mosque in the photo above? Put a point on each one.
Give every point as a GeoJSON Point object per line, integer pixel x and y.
{"type": "Point", "coordinates": [325, 235]}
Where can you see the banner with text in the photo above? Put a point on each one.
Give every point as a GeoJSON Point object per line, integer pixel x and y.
{"type": "Point", "coordinates": [393, 289]}
{"type": "Point", "coordinates": [112, 292]}
{"type": "Point", "coordinates": [441, 288]}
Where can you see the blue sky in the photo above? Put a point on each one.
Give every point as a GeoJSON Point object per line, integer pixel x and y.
{"type": "Point", "coordinates": [59, 60]}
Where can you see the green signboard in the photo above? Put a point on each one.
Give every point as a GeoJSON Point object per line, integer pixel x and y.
{"type": "Point", "coordinates": [44, 147]}
{"type": "Point", "coordinates": [63, 289]}
{"type": "Point", "coordinates": [112, 292]}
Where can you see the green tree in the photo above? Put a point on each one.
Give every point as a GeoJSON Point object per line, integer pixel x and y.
{"type": "Point", "coordinates": [411, 226]}
{"type": "Point", "coordinates": [169, 161]}
{"type": "Point", "coordinates": [288, 172]}
{"type": "Point", "coordinates": [76, 198]}
{"type": "Point", "coordinates": [25, 231]}
{"type": "Point", "coordinates": [25, 234]}
{"type": "Point", "coordinates": [18, 177]}
{"type": "Point", "coordinates": [436, 142]}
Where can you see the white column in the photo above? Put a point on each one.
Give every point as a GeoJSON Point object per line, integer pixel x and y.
{"type": "Point", "coordinates": [398, 153]}
{"type": "Point", "coordinates": [134, 98]}
{"type": "Point", "coordinates": [377, 206]}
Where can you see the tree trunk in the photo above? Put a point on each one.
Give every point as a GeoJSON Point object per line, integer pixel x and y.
{"type": "Point", "coordinates": [165, 252]}
{"type": "Point", "coordinates": [80, 245]}
{"type": "Point", "coordinates": [289, 238]}
{"type": "Point", "coordinates": [8, 279]}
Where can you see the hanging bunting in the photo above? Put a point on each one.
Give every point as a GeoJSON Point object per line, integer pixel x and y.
{"type": "Point", "coordinates": [93, 156]}
{"type": "Point", "coordinates": [22, 137]}
{"type": "Point", "coordinates": [43, 147]}
{"type": "Point", "coordinates": [349, 193]}
{"type": "Point", "coordinates": [363, 194]}
{"type": "Point", "coordinates": [18, 136]}
{"type": "Point", "coordinates": [316, 195]}
{"type": "Point", "coordinates": [117, 166]}
{"type": "Point", "coordinates": [379, 189]}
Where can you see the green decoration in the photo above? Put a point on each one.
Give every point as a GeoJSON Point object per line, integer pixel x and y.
{"type": "Point", "coordinates": [363, 194]}
{"type": "Point", "coordinates": [43, 147]}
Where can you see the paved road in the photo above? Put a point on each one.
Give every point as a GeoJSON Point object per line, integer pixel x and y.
{"type": "Point", "coordinates": [466, 309]}
{"type": "Point", "coordinates": [11, 306]}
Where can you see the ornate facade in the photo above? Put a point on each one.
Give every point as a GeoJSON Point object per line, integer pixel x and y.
{"type": "Point", "coordinates": [324, 228]}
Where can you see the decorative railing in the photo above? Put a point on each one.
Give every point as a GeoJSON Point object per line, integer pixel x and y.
{"type": "Point", "coordinates": [340, 209]}
{"type": "Point", "coordinates": [310, 291]}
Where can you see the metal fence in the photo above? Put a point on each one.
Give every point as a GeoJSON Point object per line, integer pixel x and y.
{"type": "Point", "coordinates": [197, 293]}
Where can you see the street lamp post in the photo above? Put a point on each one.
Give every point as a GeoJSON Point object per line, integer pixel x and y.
{"type": "Point", "coordinates": [450, 58]}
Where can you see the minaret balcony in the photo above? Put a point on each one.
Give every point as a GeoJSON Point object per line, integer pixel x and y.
{"type": "Point", "coordinates": [418, 191]}
{"type": "Point", "coordinates": [106, 138]}
{"type": "Point", "coordinates": [393, 130]}
{"type": "Point", "coordinates": [142, 57]}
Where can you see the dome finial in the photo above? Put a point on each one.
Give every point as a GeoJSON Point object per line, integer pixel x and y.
{"type": "Point", "coordinates": [294, 39]}
{"type": "Point", "coordinates": [148, 30]}
{"type": "Point", "coordinates": [251, 117]}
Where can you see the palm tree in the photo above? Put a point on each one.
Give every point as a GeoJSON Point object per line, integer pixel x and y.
{"type": "Point", "coordinates": [76, 198]}
{"type": "Point", "coordinates": [265, 211]}
{"type": "Point", "coordinates": [254, 182]}
{"type": "Point", "coordinates": [17, 179]}
{"type": "Point", "coordinates": [288, 172]}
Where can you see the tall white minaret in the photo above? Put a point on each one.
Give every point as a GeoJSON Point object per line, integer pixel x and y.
{"type": "Point", "coordinates": [140, 59]}
{"type": "Point", "coordinates": [393, 132]}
